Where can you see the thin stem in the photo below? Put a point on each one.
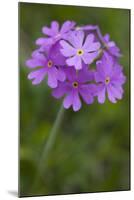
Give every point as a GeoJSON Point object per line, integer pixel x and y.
{"type": "Point", "coordinates": [52, 137]}
{"type": "Point", "coordinates": [47, 147]}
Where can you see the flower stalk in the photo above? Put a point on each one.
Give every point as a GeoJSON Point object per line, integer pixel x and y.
{"type": "Point", "coordinates": [47, 147]}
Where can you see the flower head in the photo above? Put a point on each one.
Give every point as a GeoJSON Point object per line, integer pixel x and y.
{"type": "Point", "coordinates": [64, 56]}
{"type": "Point", "coordinates": [47, 66]}
{"type": "Point", "coordinates": [78, 51]}
{"type": "Point", "coordinates": [55, 33]}
{"type": "Point", "coordinates": [77, 84]}
{"type": "Point", "coordinates": [110, 79]}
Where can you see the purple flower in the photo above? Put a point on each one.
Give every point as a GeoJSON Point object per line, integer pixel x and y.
{"type": "Point", "coordinates": [54, 33]}
{"type": "Point", "coordinates": [112, 48]}
{"type": "Point", "coordinates": [48, 66]}
{"type": "Point", "coordinates": [110, 45]}
{"type": "Point", "coordinates": [64, 55]}
{"type": "Point", "coordinates": [78, 51]}
{"type": "Point", "coordinates": [75, 86]}
{"type": "Point", "coordinates": [110, 79]}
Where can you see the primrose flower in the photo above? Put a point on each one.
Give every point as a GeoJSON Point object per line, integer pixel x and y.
{"type": "Point", "coordinates": [76, 85]}
{"type": "Point", "coordinates": [78, 51]}
{"type": "Point", "coordinates": [47, 66]}
{"type": "Point", "coordinates": [65, 56]}
{"type": "Point", "coordinates": [54, 33]}
{"type": "Point", "coordinates": [112, 48]}
{"type": "Point", "coordinates": [110, 79]}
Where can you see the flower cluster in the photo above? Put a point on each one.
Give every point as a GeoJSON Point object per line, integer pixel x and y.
{"type": "Point", "coordinates": [80, 64]}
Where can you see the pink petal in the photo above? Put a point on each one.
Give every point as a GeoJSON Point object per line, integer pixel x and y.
{"type": "Point", "coordinates": [32, 63]}
{"type": "Point", "coordinates": [89, 45]}
{"type": "Point", "coordinates": [55, 27]}
{"type": "Point", "coordinates": [85, 74]}
{"type": "Point", "coordinates": [107, 63]}
{"type": "Point", "coordinates": [111, 96]}
{"type": "Point", "coordinates": [75, 61]}
{"type": "Point", "coordinates": [76, 101]}
{"type": "Point", "coordinates": [116, 91]}
{"type": "Point", "coordinates": [70, 73]}
{"type": "Point", "coordinates": [37, 55]}
{"type": "Point", "coordinates": [101, 95]}
{"type": "Point", "coordinates": [99, 77]}
{"type": "Point", "coordinates": [73, 99]}
{"type": "Point", "coordinates": [68, 100]}
{"type": "Point", "coordinates": [37, 75]}
{"type": "Point", "coordinates": [67, 50]}
{"type": "Point", "coordinates": [52, 78]}
{"type": "Point", "coordinates": [86, 94]}
{"type": "Point", "coordinates": [61, 75]}
{"type": "Point", "coordinates": [76, 39]}
{"type": "Point", "coordinates": [44, 41]}
{"type": "Point", "coordinates": [62, 89]}
{"type": "Point", "coordinates": [88, 58]}
{"type": "Point", "coordinates": [47, 31]}
{"type": "Point", "coordinates": [56, 55]}
{"type": "Point", "coordinates": [100, 74]}
{"type": "Point", "coordinates": [67, 26]}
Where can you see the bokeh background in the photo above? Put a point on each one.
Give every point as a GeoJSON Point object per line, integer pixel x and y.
{"type": "Point", "coordinates": [92, 150]}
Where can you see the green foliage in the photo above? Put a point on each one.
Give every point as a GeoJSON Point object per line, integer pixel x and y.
{"type": "Point", "coordinates": [92, 149]}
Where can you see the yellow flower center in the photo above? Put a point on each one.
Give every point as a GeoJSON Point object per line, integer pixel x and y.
{"type": "Point", "coordinates": [49, 63]}
{"type": "Point", "coordinates": [107, 80]}
{"type": "Point", "coordinates": [80, 52]}
{"type": "Point", "coordinates": [75, 84]}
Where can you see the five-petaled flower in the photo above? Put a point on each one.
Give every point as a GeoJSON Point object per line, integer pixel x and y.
{"type": "Point", "coordinates": [67, 54]}
{"type": "Point", "coordinates": [76, 85]}
{"type": "Point", "coordinates": [48, 66]}
{"type": "Point", "coordinates": [54, 33]}
{"type": "Point", "coordinates": [110, 79]}
{"type": "Point", "coordinates": [78, 51]}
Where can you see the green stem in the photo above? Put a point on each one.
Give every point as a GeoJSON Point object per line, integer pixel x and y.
{"type": "Point", "coordinates": [52, 137]}
{"type": "Point", "coordinates": [47, 147]}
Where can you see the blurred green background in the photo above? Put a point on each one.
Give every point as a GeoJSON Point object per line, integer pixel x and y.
{"type": "Point", "coordinates": [92, 150]}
